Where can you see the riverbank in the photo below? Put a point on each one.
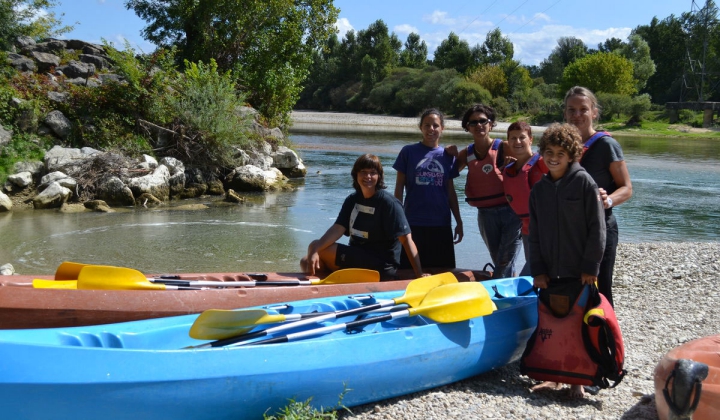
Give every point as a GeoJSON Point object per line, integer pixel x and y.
{"type": "Point", "coordinates": [665, 294]}
{"type": "Point", "coordinates": [340, 122]}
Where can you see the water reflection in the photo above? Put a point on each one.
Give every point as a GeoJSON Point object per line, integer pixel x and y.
{"type": "Point", "coordinates": [676, 198]}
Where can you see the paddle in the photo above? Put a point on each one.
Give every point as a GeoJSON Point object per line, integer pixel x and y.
{"type": "Point", "coordinates": [101, 277]}
{"type": "Point", "coordinates": [219, 324]}
{"type": "Point", "coordinates": [343, 276]}
{"type": "Point", "coordinates": [68, 270]}
{"type": "Point", "coordinates": [414, 294]}
{"type": "Point", "coordinates": [447, 303]}
{"type": "Point", "coordinates": [111, 278]}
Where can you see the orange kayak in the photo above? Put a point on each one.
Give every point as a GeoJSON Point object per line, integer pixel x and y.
{"type": "Point", "coordinates": [22, 306]}
{"type": "Point", "coordinates": [687, 381]}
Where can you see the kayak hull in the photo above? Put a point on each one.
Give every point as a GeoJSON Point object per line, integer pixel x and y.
{"type": "Point", "coordinates": [705, 351]}
{"type": "Point", "coordinates": [21, 306]}
{"type": "Point", "coordinates": [140, 370]}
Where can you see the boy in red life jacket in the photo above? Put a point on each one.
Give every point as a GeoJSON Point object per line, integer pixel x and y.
{"type": "Point", "coordinates": [524, 170]}
{"type": "Point", "coordinates": [567, 220]}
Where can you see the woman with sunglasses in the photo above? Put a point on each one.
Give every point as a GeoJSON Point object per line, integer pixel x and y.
{"type": "Point", "coordinates": [499, 226]}
{"type": "Point", "coordinates": [425, 177]}
{"type": "Point", "coordinates": [603, 159]}
{"type": "Point", "coordinates": [376, 224]}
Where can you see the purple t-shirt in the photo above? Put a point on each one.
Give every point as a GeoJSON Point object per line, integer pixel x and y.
{"type": "Point", "coordinates": [427, 171]}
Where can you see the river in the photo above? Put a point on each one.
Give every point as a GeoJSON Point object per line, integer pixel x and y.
{"type": "Point", "coordinates": [676, 198]}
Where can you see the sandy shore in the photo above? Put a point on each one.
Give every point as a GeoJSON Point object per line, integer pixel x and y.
{"type": "Point", "coordinates": [304, 121]}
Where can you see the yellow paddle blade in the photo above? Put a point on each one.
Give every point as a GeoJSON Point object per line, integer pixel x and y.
{"type": "Point", "coordinates": [103, 277]}
{"type": "Point", "coordinates": [455, 302]}
{"type": "Point", "coordinates": [68, 270]}
{"type": "Point", "coordinates": [217, 324]}
{"type": "Point", "coordinates": [54, 284]}
{"type": "Point", "coordinates": [350, 275]}
{"type": "Point", "coordinates": [418, 288]}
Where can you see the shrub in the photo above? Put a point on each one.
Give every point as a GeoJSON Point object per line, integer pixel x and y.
{"type": "Point", "coordinates": [462, 95]}
{"type": "Point", "coordinates": [208, 116]}
{"type": "Point", "coordinates": [614, 104]}
{"type": "Point", "coordinates": [639, 106]}
{"type": "Point", "coordinates": [502, 107]}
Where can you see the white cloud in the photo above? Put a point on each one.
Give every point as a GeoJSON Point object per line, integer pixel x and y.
{"type": "Point", "coordinates": [343, 26]}
{"type": "Point", "coordinates": [438, 18]}
{"type": "Point", "coordinates": [405, 29]}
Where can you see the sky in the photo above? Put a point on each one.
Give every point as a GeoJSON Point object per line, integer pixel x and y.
{"type": "Point", "coordinates": [533, 26]}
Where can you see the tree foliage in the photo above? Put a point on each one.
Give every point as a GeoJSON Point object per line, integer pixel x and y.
{"type": "Point", "coordinates": [415, 52]}
{"type": "Point", "coordinates": [492, 78]}
{"type": "Point", "coordinates": [29, 18]}
{"type": "Point", "coordinates": [496, 49]}
{"type": "Point", "coordinates": [453, 53]}
{"type": "Point", "coordinates": [600, 72]}
{"type": "Point", "coordinates": [638, 52]}
{"type": "Point", "coordinates": [267, 43]}
{"type": "Point", "coordinates": [566, 52]}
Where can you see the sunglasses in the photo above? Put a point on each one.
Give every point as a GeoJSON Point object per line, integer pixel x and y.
{"type": "Point", "coordinates": [481, 121]}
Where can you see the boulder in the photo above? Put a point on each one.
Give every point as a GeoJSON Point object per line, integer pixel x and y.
{"type": "Point", "coordinates": [193, 191]}
{"type": "Point", "coordinates": [156, 184]}
{"type": "Point", "coordinates": [98, 205]}
{"type": "Point", "coordinates": [215, 187]}
{"type": "Point", "coordinates": [53, 196]}
{"type": "Point", "coordinates": [59, 124]}
{"type": "Point", "coordinates": [45, 61]}
{"type": "Point", "coordinates": [59, 97]}
{"type": "Point", "coordinates": [76, 68]}
{"type": "Point", "coordinates": [5, 202]}
{"type": "Point", "coordinates": [147, 162]}
{"type": "Point", "coordinates": [35, 167]}
{"type": "Point", "coordinates": [148, 200]}
{"type": "Point", "coordinates": [5, 136]}
{"type": "Point", "coordinates": [234, 197]}
{"type": "Point", "coordinates": [21, 180]}
{"type": "Point", "coordinates": [7, 270]}
{"type": "Point", "coordinates": [99, 62]}
{"type": "Point", "coordinates": [68, 159]}
{"type": "Point", "coordinates": [113, 191]}
{"type": "Point", "coordinates": [21, 63]}
{"type": "Point", "coordinates": [252, 178]}
{"type": "Point", "coordinates": [288, 162]}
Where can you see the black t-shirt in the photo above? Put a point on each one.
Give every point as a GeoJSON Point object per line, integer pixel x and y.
{"type": "Point", "coordinates": [597, 159]}
{"type": "Point", "coordinates": [375, 224]}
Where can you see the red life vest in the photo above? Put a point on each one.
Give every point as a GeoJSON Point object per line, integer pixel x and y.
{"type": "Point", "coordinates": [483, 187]}
{"type": "Point", "coordinates": [584, 347]}
{"type": "Point", "coordinates": [517, 189]}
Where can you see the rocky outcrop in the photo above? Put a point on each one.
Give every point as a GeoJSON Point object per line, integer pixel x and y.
{"type": "Point", "coordinates": [68, 176]}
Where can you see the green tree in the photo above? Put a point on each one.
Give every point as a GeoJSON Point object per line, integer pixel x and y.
{"type": "Point", "coordinates": [600, 72]}
{"type": "Point", "coordinates": [638, 52]}
{"type": "Point", "coordinates": [666, 40]}
{"type": "Point", "coordinates": [567, 51]}
{"type": "Point", "coordinates": [29, 18]}
{"type": "Point", "coordinates": [377, 52]}
{"type": "Point", "coordinates": [415, 53]}
{"type": "Point", "coordinates": [453, 53]}
{"type": "Point", "coordinates": [496, 49]}
{"type": "Point", "coordinates": [610, 45]}
{"type": "Point", "coordinates": [267, 43]}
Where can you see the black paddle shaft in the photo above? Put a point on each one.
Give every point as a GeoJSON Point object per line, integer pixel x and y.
{"type": "Point", "coordinates": [264, 333]}
{"type": "Point", "coordinates": [350, 326]}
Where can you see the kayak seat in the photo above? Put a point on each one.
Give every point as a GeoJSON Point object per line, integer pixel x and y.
{"type": "Point", "coordinates": [85, 339]}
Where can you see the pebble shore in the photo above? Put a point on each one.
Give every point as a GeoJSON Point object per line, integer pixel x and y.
{"type": "Point", "coordinates": [665, 295]}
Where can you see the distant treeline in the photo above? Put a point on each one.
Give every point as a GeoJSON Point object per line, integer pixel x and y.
{"type": "Point", "coordinates": [371, 70]}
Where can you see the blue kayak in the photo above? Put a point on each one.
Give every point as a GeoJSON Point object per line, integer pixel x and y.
{"type": "Point", "coordinates": [145, 370]}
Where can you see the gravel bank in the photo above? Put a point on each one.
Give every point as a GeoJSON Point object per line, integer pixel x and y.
{"type": "Point", "coordinates": [303, 121]}
{"type": "Point", "coordinates": [665, 294]}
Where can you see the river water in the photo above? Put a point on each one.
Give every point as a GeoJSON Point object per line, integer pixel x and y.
{"type": "Point", "coordinates": [676, 198]}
